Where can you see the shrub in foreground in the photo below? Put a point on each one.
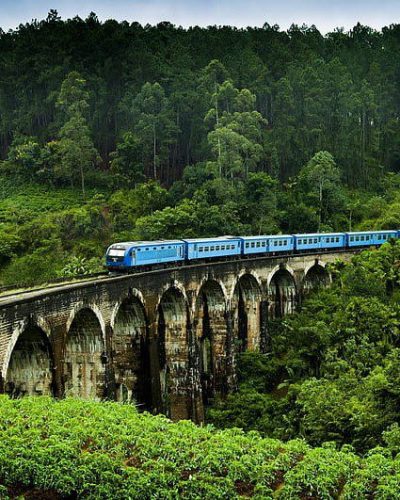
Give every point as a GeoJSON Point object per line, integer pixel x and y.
{"type": "Point", "coordinates": [77, 449]}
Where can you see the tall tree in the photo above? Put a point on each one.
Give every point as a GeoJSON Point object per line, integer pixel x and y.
{"type": "Point", "coordinates": [77, 151]}
{"type": "Point", "coordinates": [320, 180]}
{"type": "Point", "coordinates": [154, 126]}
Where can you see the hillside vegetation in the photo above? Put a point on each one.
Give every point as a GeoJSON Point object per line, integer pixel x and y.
{"type": "Point", "coordinates": [113, 131]}
{"type": "Point", "coordinates": [332, 372]}
{"type": "Point", "coordinates": [76, 449]}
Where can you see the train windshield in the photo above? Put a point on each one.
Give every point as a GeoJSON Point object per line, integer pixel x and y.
{"type": "Point", "coordinates": [114, 252]}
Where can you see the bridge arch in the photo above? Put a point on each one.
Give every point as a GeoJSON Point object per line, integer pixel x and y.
{"type": "Point", "coordinates": [28, 365]}
{"type": "Point", "coordinates": [85, 355]}
{"type": "Point", "coordinates": [315, 275]}
{"type": "Point", "coordinates": [211, 329]}
{"type": "Point", "coordinates": [173, 351]}
{"type": "Point", "coordinates": [246, 311]}
{"type": "Point", "coordinates": [130, 350]}
{"type": "Point", "coordinates": [282, 291]}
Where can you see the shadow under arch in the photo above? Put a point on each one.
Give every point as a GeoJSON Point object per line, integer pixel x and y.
{"type": "Point", "coordinates": [173, 353]}
{"type": "Point", "coordinates": [30, 369]}
{"type": "Point", "coordinates": [85, 357]}
{"type": "Point", "coordinates": [212, 336]}
{"type": "Point", "coordinates": [317, 276]}
{"type": "Point", "coordinates": [130, 352]}
{"type": "Point", "coordinates": [246, 309]}
{"type": "Point", "coordinates": [282, 294]}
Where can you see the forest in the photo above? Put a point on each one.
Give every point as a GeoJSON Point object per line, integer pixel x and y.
{"type": "Point", "coordinates": [113, 131]}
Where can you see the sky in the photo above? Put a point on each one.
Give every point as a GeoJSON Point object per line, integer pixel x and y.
{"type": "Point", "coordinates": [325, 14]}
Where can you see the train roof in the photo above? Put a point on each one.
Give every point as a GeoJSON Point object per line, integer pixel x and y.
{"type": "Point", "coordinates": [266, 236]}
{"type": "Point", "coordinates": [209, 240]}
{"type": "Point", "coordinates": [306, 235]}
{"type": "Point", "coordinates": [148, 243]}
{"type": "Point", "coordinates": [374, 231]}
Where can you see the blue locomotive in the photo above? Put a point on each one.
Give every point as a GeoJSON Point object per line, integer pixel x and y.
{"type": "Point", "coordinates": [145, 254]}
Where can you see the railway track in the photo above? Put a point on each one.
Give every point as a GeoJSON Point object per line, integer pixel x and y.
{"type": "Point", "coordinates": [8, 293]}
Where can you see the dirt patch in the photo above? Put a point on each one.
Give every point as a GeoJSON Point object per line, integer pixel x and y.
{"type": "Point", "coordinates": [18, 491]}
{"type": "Point", "coordinates": [244, 489]}
{"type": "Point", "coordinates": [185, 474]}
{"type": "Point", "coordinates": [133, 462]}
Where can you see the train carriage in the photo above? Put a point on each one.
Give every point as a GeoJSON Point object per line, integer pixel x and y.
{"type": "Point", "coordinates": [281, 243]}
{"type": "Point", "coordinates": [316, 241]}
{"type": "Point", "coordinates": [255, 244]}
{"type": "Point", "coordinates": [368, 238]}
{"type": "Point", "coordinates": [205, 248]}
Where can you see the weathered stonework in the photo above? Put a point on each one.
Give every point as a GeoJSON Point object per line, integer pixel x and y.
{"type": "Point", "coordinates": [166, 340]}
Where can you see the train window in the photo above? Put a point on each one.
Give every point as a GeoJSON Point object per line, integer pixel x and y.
{"type": "Point", "coordinates": [253, 244]}
{"type": "Point", "coordinates": [222, 247]}
{"type": "Point", "coordinates": [217, 248]}
{"type": "Point", "coordinates": [154, 248]}
{"type": "Point", "coordinates": [247, 245]}
{"type": "Point", "coordinates": [280, 243]}
{"type": "Point", "coordinates": [337, 239]}
{"type": "Point", "coordinates": [139, 249]}
{"type": "Point", "coordinates": [147, 248]}
{"type": "Point", "coordinates": [300, 242]}
{"type": "Point", "coordinates": [315, 240]}
{"type": "Point", "coordinates": [258, 244]}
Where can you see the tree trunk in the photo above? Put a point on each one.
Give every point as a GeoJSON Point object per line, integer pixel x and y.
{"type": "Point", "coordinates": [82, 181]}
{"type": "Point", "coordinates": [154, 152]}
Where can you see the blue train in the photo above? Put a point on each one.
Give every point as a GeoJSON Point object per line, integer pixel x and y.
{"type": "Point", "coordinates": [144, 254]}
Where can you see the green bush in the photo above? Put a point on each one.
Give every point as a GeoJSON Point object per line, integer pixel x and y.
{"type": "Point", "coordinates": [109, 450]}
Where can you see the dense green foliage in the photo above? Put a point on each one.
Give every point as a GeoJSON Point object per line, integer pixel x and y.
{"type": "Point", "coordinates": [256, 98]}
{"type": "Point", "coordinates": [73, 448]}
{"type": "Point", "coordinates": [148, 132]}
{"type": "Point", "coordinates": [333, 371]}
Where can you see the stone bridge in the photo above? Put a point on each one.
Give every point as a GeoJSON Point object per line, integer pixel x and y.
{"type": "Point", "coordinates": [165, 339]}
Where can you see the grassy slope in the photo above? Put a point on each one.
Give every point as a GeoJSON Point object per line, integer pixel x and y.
{"type": "Point", "coordinates": [33, 220]}
{"type": "Point", "coordinates": [107, 450]}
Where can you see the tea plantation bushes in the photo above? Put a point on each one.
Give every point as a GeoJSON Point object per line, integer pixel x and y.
{"type": "Point", "coordinates": [71, 448]}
